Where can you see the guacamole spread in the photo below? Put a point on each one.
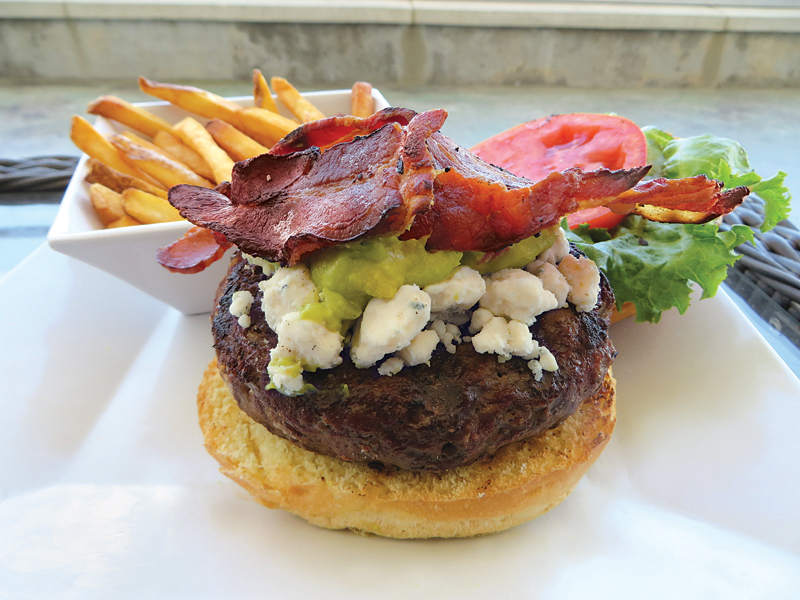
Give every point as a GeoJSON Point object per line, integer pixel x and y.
{"type": "Point", "coordinates": [348, 276]}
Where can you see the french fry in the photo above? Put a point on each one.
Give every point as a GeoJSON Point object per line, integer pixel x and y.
{"type": "Point", "coordinates": [362, 104]}
{"type": "Point", "coordinates": [140, 141]}
{"type": "Point", "coordinates": [158, 166]}
{"type": "Point", "coordinates": [188, 157]}
{"type": "Point", "coordinates": [262, 95]}
{"type": "Point", "coordinates": [234, 142]}
{"type": "Point", "coordinates": [182, 153]}
{"type": "Point", "coordinates": [192, 99]}
{"type": "Point", "coordinates": [146, 208]}
{"type": "Point", "coordinates": [264, 126]}
{"type": "Point", "coordinates": [124, 221]}
{"type": "Point", "coordinates": [90, 141]}
{"type": "Point", "coordinates": [199, 139]}
{"type": "Point", "coordinates": [107, 203]}
{"type": "Point", "coordinates": [297, 104]}
{"type": "Point", "coordinates": [119, 182]}
{"type": "Point", "coordinates": [135, 117]}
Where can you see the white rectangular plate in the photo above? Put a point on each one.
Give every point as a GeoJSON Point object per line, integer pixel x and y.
{"type": "Point", "coordinates": [107, 491]}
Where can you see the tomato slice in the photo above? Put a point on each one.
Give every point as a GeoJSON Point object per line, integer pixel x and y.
{"type": "Point", "coordinates": [595, 217]}
{"type": "Point", "coordinates": [590, 141]}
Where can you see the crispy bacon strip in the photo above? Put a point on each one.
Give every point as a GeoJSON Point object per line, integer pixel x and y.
{"type": "Point", "coordinates": [197, 249]}
{"type": "Point", "coordinates": [284, 207]}
{"type": "Point", "coordinates": [472, 214]}
{"type": "Point", "coordinates": [478, 206]}
{"type": "Point", "coordinates": [690, 200]}
{"type": "Point", "coordinates": [324, 133]}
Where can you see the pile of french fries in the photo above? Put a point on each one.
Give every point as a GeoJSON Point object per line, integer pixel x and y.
{"type": "Point", "coordinates": [130, 173]}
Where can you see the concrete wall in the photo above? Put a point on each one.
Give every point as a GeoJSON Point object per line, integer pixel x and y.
{"type": "Point", "coordinates": [592, 50]}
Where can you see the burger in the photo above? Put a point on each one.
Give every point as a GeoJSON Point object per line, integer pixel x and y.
{"type": "Point", "coordinates": [406, 343]}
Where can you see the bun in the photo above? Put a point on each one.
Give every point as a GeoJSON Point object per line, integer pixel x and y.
{"type": "Point", "coordinates": [628, 310]}
{"type": "Point", "coordinates": [520, 482]}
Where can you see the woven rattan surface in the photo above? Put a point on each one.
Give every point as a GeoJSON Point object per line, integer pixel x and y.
{"type": "Point", "coordinates": [767, 275]}
{"type": "Point", "coordinates": [43, 174]}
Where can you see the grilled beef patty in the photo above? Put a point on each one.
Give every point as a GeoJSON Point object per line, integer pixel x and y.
{"type": "Point", "coordinates": [458, 410]}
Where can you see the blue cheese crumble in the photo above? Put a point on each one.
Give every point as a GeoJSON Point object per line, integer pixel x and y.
{"type": "Point", "coordinates": [405, 330]}
{"type": "Point", "coordinates": [241, 302]}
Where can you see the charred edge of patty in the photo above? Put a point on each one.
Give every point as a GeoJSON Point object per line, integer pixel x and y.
{"type": "Point", "coordinates": [458, 410]}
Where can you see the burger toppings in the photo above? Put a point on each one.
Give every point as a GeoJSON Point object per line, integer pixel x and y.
{"type": "Point", "coordinates": [385, 227]}
{"type": "Point", "coordinates": [558, 142]}
{"type": "Point", "coordinates": [391, 367]}
{"type": "Point", "coordinates": [552, 280]}
{"type": "Point", "coordinates": [240, 307]}
{"type": "Point", "coordinates": [268, 268]}
{"type": "Point", "coordinates": [325, 133]}
{"type": "Point", "coordinates": [478, 207]}
{"type": "Point", "coordinates": [375, 299]}
{"type": "Point", "coordinates": [654, 267]}
{"type": "Point", "coordinates": [414, 182]}
{"type": "Point", "coordinates": [287, 291]}
{"type": "Point", "coordinates": [583, 278]}
{"type": "Point", "coordinates": [420, 350]}
{"type": "Point", "coordinates": [721, 159]}
{"type": "Point", "coordinates": [284, 207]}
{"type": "Point", "coordinates": [513, 338]}
{"type": "Point", "coordinates": [449, 333]}
{"type": "Point", "coordinates": [690, 200]}
{"type": "Point", "coordinates": [458, 292]}
{"type": "Point", "coordinates": [389, 325]}
{"type": "Point", "coordinates": [517, 294]}
{"type": "Point", "coordinates": [198, 248]}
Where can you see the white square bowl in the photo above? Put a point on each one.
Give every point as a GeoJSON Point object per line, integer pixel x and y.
{"type": "Point", "coordinates": [129, 253]}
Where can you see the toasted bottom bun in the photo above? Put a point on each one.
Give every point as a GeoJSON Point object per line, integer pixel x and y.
{"type": "Point", "coordinates": [520, 482]}
{"type": "Point", "coordinates": [628, 310]}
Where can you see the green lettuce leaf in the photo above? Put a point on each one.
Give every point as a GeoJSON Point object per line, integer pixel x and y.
{"type": "Point", "coordinates": [776, 199]}
{"type": "Point", "coordinates": [717, 158]}
{"type": "Point", "coordinates": [652, 265]}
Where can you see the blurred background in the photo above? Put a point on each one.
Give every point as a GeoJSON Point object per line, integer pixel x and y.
{"type": "Point", "coordinates": [717, 43]}
{"type": "Point", "coordinates": [727, 67]}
